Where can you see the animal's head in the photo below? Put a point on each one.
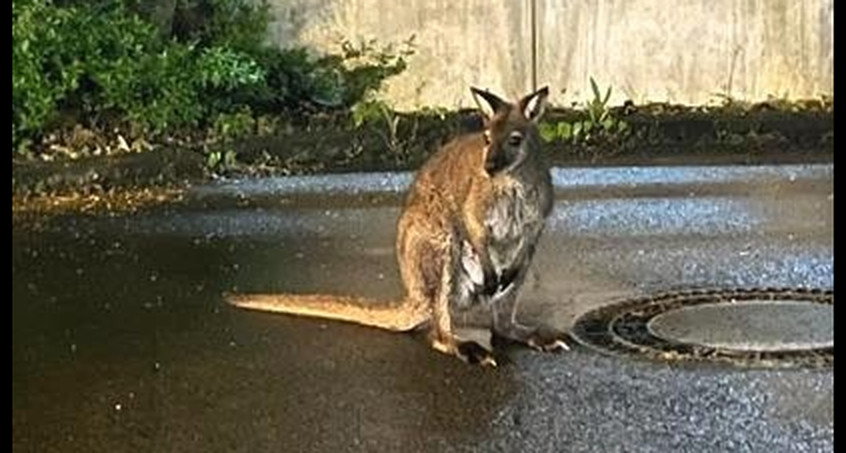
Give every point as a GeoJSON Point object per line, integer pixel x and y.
{"type": "Point", "coordinates": [511, 133]}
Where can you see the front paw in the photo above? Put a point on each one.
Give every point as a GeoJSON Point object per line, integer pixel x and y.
{"type": "Point", "coordinates": [507, 278]}
{"type": "Point", "coordinates": [491, 283]}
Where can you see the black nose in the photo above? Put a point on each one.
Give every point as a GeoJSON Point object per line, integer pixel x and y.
{"type": "Point", "coordinates": [495, 162]}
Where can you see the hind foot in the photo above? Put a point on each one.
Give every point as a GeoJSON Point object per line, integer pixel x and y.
{"type": "Point", "coordinates": [541, 338]}
{"type": "Point", "coordinates": [474, 353]}
{"type": "Point", "coordinates": [468, 351]}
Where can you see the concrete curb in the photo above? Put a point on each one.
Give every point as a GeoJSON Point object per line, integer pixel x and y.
{"type": "Point", "coordinates": [564, 179]}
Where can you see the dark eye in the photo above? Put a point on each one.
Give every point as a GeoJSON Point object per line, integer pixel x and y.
{"type": "Point", "coordinates": [515, 138]}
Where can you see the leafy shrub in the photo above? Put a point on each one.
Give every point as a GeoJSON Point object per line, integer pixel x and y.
{"type": "Point", "coordinates": [235, 24]}
{"type": "Point", "coordinates": [101, 63]}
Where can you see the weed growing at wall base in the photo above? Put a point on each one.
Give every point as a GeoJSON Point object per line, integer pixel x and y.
{"type": "Point", "coordinates": [599, 124]}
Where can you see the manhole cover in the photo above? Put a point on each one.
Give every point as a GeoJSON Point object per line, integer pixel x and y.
{"type": "Point", "coordinates": [748, 327]}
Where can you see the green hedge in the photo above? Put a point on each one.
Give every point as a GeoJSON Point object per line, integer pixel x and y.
{"type": "Point", "coordinates": [103, 64]}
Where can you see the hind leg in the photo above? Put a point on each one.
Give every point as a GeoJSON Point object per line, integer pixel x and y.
{"type": "Point", "coordinates": [505, 324]}
{"type": "Point", "coordinates": [429, 266]}
{"type": "Point", "coordinates": [442, 335]}
{"type": "Point", "coordinates": [540, 337]}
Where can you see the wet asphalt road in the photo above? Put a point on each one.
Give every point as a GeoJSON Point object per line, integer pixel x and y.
{"type": "Point", "coordinates": [122, 342]}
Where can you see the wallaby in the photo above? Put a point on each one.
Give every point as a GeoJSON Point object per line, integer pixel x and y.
{"type": "Point", "coordinates": [466, 236]}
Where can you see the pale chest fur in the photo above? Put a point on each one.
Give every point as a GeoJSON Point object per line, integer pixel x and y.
{"type": "Point", "coordinates": [512, 221]}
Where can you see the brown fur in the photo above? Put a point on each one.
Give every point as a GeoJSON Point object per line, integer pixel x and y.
{"type": "Point", "coordinates": [466, 236]}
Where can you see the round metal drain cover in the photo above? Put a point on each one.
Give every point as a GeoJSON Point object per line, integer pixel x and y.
{"type": "Point", "coordinates": [748, 327]}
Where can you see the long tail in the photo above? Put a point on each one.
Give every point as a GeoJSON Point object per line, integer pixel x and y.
{"type": "Point", "coordinates": [396, 316]}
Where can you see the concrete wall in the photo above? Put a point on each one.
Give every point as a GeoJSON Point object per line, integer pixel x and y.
{"type": "Point", "coordinates": [681, 51]}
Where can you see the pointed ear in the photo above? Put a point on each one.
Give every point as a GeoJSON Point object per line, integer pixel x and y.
{"type": "Point", "coordinates": [487, 102]}
{"type": "Point", "coordinates": [533, 105]}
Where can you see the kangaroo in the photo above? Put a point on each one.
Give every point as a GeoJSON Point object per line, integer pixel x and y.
{"type": "Point", "coordinates": [466, 236]}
